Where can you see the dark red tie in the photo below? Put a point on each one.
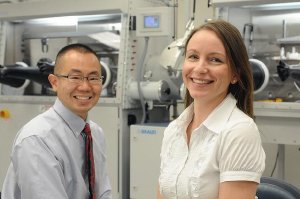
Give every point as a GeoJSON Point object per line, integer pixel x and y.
{"type": "Point", "coordinates": [90, 160]}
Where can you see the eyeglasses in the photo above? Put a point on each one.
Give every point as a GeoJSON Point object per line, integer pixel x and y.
{"type": "Point", "coordinates": [77, 79]}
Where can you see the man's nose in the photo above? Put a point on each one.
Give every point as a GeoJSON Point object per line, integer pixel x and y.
{"type": "Point", "coordinates": [85, 82]}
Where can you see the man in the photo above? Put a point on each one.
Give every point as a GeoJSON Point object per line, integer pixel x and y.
{"type": "Point", "coordinates": [49, 157]}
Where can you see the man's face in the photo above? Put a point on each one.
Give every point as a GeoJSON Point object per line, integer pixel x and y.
{"type": "Point", "coordinates": [79, 97]}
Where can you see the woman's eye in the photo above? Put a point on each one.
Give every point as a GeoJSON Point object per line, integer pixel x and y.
{"type": "Point", "coordinates": [214, 59]}
{"type": "Point", "coordinates": [193, 56]}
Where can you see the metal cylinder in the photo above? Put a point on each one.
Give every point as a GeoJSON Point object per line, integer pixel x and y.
{"type": "Point", "coordinates": [159, 90]}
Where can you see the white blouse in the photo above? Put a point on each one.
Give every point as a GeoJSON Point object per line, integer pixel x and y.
{"type": "Point", "coordinates": [225, 147]}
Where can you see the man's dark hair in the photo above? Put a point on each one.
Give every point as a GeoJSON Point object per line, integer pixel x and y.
{"type": "Point", "coordinates": [77, 47]}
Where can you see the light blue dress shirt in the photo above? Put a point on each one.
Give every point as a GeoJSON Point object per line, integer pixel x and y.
{"type": "Point", "coordinates": [48, 155]}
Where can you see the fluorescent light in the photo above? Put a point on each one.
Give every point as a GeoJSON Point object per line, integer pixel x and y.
{"type": "Point", "coordinates": [275, 6]}
{"type": "Point", "coordinates": [57, 21]}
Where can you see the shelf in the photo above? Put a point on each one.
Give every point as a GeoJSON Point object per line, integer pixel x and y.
{"type": "Point", "coordinates": [253, 3]}
{"type": "Point", "coordinates": [289, 41]}
{"type": "Point", "coordinates": [277, 109]}
{"type": "Point", "coordinates": [277, 58]}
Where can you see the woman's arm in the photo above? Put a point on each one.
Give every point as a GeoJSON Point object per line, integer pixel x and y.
{"type": "Point", "coordinates": [158, 194]}
{"type": "Point", "coordinates": [237, 190]}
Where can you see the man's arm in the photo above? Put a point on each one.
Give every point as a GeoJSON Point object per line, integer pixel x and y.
{"type": "Point", "coordinates": [37, 171]}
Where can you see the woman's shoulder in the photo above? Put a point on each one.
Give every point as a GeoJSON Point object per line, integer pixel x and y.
{"type": "Point", "coordinates": [241, 126]}
{"type": "Point", "coordinates": [238, 117]}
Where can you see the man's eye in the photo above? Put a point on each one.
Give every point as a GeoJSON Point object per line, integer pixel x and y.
{"type": "Point", "coordinates": [75, 77]}
{"type": "Point", "coordinates": [94, 78]}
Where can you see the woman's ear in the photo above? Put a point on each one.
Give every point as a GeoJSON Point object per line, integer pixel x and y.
{"type": "Point", "coordinates": [234, 79]}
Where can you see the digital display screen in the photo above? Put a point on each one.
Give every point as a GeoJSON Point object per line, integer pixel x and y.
{"type": "Point", "coordinates": [151, 21]}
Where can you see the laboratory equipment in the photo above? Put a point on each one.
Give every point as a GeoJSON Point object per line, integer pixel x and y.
{"type": "Point", "coordinates": [110, 28]}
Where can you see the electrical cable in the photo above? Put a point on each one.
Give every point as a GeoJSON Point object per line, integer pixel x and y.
{"type": "Point", "coordinates": [194, 9]}
{"type": "Point", "coordinates": [276, 160]}
{"type": "Point", "coordinates": [296, 85]}
{"type": "Point", "coordinates": [139, 77]}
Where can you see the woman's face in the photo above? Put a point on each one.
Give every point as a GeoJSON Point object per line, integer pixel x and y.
{"type": "Point", "coordinates": [206, 72]}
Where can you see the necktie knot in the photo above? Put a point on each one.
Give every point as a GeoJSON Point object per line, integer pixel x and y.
{"type": "Point", "coordinates": [87, 129]}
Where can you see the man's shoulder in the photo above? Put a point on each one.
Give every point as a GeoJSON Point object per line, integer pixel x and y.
{"type": "Point", "coordinates": [37, 126]}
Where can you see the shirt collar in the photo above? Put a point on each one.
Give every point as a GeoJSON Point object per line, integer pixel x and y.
{"type": "Point", "coordinates": [216, 120]}
{"type": "Point", "coordinates": [74, 122]}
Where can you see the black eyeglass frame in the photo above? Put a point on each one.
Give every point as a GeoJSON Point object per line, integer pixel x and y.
{"type": "Point", "coordinates": [81, 78]}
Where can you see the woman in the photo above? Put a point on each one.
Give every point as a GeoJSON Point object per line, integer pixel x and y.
{"type": "Point", "coordinates": [213, 149]}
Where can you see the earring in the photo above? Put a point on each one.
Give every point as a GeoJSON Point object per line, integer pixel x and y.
{"type": "Point", "coordinates": [233, 81]}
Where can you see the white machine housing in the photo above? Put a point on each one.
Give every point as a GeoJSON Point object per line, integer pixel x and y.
{"type": "Point", "coordinates": [98, 22]}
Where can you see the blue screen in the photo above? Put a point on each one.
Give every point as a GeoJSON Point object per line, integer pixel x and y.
{"type": "Point", "coordinates": [151, 21]}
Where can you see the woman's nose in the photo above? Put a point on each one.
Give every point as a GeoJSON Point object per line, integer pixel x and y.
{"type": "Point", "coordinates": [201, 66]}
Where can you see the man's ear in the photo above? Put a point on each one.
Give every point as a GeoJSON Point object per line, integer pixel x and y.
{"type": "Point", "coordinates": [53, 81]}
